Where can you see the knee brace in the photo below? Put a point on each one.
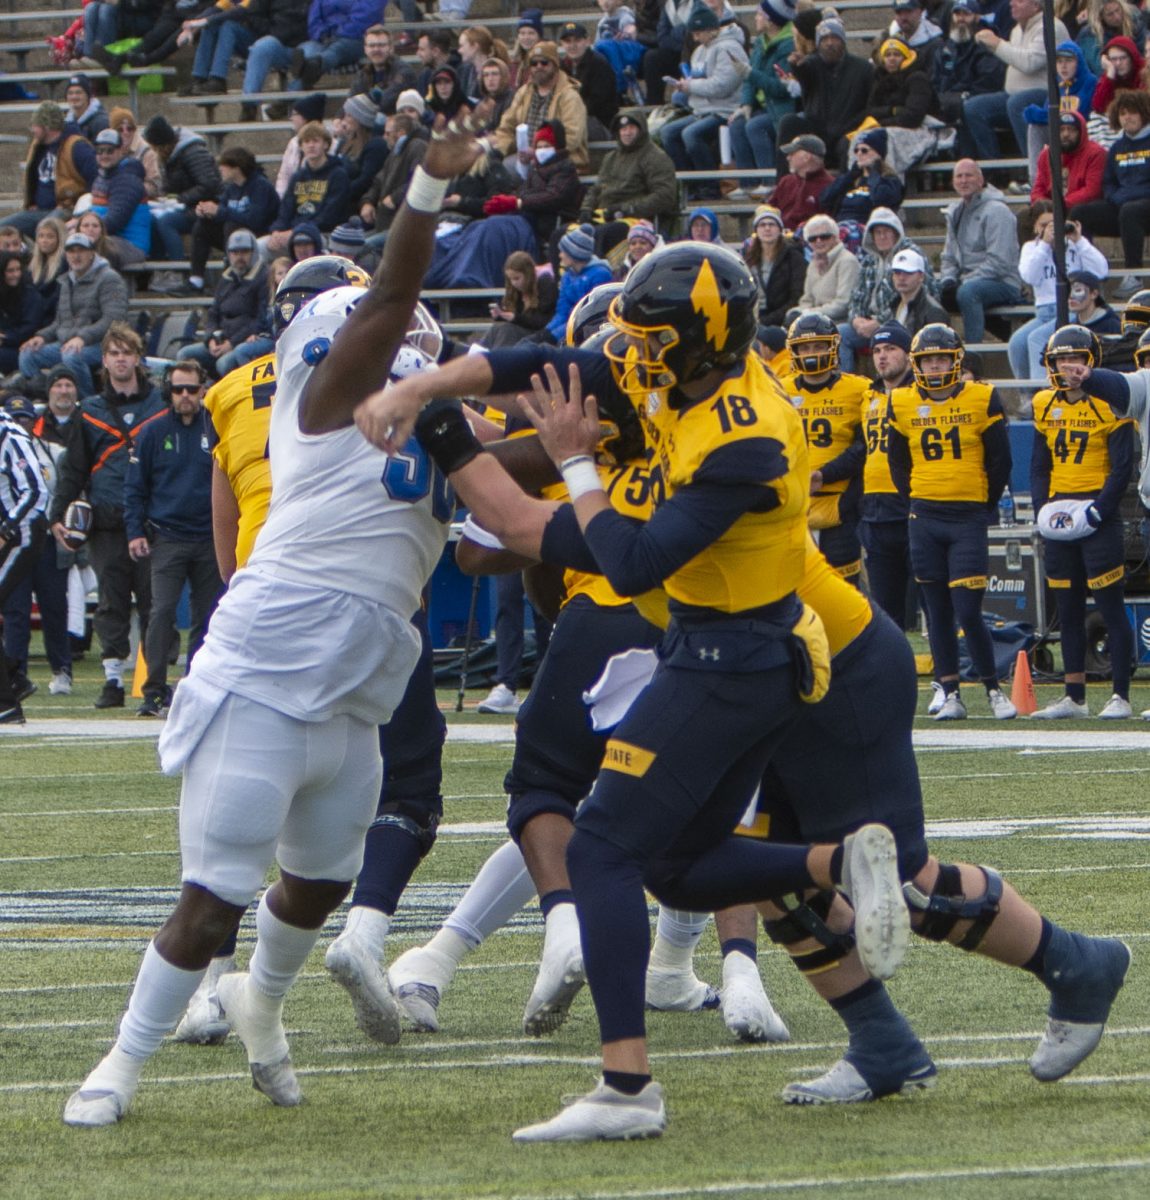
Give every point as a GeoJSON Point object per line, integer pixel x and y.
{"type": "Point", "coordinates": [416, 820]}
{"type": "Point", "coordinates": [947, 905]}
{"type": "Point", "coordinates": [808, 919]}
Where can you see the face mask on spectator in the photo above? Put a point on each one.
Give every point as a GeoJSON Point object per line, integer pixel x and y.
{"type": "Point", "coordinates": [544, 154]}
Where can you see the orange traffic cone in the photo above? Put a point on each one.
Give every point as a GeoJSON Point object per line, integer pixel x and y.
{"type": "Point", "coordinates": [140, 675]}
{"type": "Point", "coordinates": [1022, 689]}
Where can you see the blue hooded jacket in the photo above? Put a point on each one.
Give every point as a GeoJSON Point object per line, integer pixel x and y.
{"type": "Point", "coordinates": [1076, 97]}
{"type": "Point", "coordinates": [708, 216]}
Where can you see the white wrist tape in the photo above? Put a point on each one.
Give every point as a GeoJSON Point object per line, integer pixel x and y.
{"type": "Point", "coordinates": [425, 193]}
{"type": "Point", "coordinates": [580, 475]}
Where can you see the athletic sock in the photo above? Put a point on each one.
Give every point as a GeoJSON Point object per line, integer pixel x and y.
{"type": "Point", "coordinates": [549, 900]}
{"type": "Point", "coordinates": [280, 953]}
{"type": "Point", "coordinates": [114, 670]}
{"type": "Point", "coordinates": [627, 1082]}
{"type": "Point", "coordinates": [390, 856]}
{"type": "Point", "coordinates": [882, 1048]}
{"type": "Point", "coordinates": [739, 945]}
{"type": "Point", "coordinates": [159, 998]}
{"type": "Point", "coordinates": [677, 934]}
{"type": "Point", "coordinates": [500, 890]}
{"type": "Point", "coordinates": [1036, 961]}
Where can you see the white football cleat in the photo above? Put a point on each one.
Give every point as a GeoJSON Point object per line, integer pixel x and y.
{"type": "Point", "coordinates": [937, 698]}
{"type": "Point", "coordinates": [603, 1115]}
{"type": "Point", "coordinates": [105, 1096]}
{"type": "Point", "coordinates": [501, 699]}
{"type": "Point", "coordinates": [747, 1011]}
{"type": "Point", "coordinates": [561, 974]}
{"type": "Point", "coordinates": [673, 990]}
{"type": "Point", "coordinates": [61, 684]}
{"type": "Point", "coordinates": [202, 1023]}
{"type": "Point", "coordinates": [952, 709]}
{"type": "Point", "coordinates": [420, 977]}
{"type": "Point", "coordinates": [1116, 709]}
{"type": "Point", "coordinates": [1063, 709]}
{"type": "Point", "coordinates": [354, 966]}
{"type": "Point", "coordinates": [870, 880]}
{"type": "Point", "coordinates": [842, 1084]}
{"type": "Point", "coordinates": [1000, 706]}
{"type": "Point", "coordinates": [258, 1022]}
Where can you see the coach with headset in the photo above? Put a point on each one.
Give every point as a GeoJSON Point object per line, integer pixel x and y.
{"type": "Point", "coordinates": [168, 520]}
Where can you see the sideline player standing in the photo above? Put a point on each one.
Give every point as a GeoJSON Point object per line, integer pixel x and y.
{"type": "Point", "coordinates": [280, 756]}
{"type": "Point", "coordinates": [949, 451]}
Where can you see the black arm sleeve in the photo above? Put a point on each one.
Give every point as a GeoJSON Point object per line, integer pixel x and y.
{"type": "Point", "coordinates": [996, 453]}
{"type": "Point", "coordinates": [1111, 387]}
{"type": "Point", "coordinates": [849, 464]}
{"type": "Point", "coordinates": [511, 370]}
{"type": "Point", "coordinates": [898, 455]}
{"type": "Point", "coordinates": [1041, 466]}
{"type": "Point", "coordinates": [563, 543]}
{"type": "Point", "coordinates": [73, 470]}
{"type": "Point", "coordinates": [1121, 448]}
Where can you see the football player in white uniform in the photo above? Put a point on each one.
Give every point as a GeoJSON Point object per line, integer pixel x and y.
{"type": "Point", "coordinates": [275, 729]}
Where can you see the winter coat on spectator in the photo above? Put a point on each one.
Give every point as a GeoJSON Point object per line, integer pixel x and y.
{"type": "Point", "coordinates": [383, 85]}
{"type": "Point", "coordinates": [169, 479]}
{"type": "Point", "coordinates": [856, 193]}
{"type": "Point", "coordinates": [393, 179]}
{"type": "Point", "coordinates": [239, 302]}
{"type": "Point", "coordinates": [327, 19]}
{"type": "Point", "coordinates": [253, 204]}
{"type": "Point", "coordinates": [119, 196]}
{"type": "Point", "coordinates": [285, 20]}
{"type": "Point", "coordinates": [874, 295]}
{"type": "Point", "coordinates": [596, 79]}
{"type": "Point", "coordinates": [21, 313]}
{"type": "Point", "coordinates": [319, 196]}
{"type": "Point", "coordinates": [637, 180]}
{"type": "Point", "coordinates": [961, 69]}
{"type": "Point", "coordinates": [981, 239]}
{"type": "Point", "coordinates": [1108, 88]}
{"type": "Point", "coordinates": [828, 291]}
{"type": "Point", "coordinates": [922, 310]}
{"type": "Point", "coordinates": [834, 97]}
{"type": "Point", "coordinates": [88, 305]}
{"type": "Point", "coordinates": [718, 70]}
{"type": "Point", "coordinates": [191, 172]}
{"type": "Point", "coordinates": [362, 169]}
{"type": "Point", "coordinates": [780, 290]}
{"type": "Point", "coordinates": [564, 104]}
{"type": "Point", "coordinates": [901, 98]}
{"type": "Point", "coordinates": [1076, 96]}
{"type": "Point", "coordinates": [763, 90]}
{"type": "Point", "coordinates": [477, 187]}
{"type": "Point", "coordinates": [92, 120]}
{"type": "Point", "coordinates": [572, 288]}
{"type": "Point", "coordinates": [1083, 170]}
{"type": "Point", "coordinates": [75, 169]}
{"type": "Point", "coordinates": [551, 193]}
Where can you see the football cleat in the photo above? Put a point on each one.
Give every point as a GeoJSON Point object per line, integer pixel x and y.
{"type": "Point", "coordinates": [105, 1096]}
{"type": "Point", "coordinates": [603, 1115]}
{"type": "Point", "coordinates": [501, 699]}
{"type": "Point", "coordinates": [356, 969]}
{"type": "Point", "coordinates": [870, 879]}
{"type": "Point", "coordinates": [420, 977]}
{"type": "Point", "coordinates": [842, 1084]}
{"type": "Point", "coordinates": [203, 1024]}
{"type": "Point", "coordinates": [561, 974]}
{"type": "Point", "coordinates": [1063, 709]}
{"type": "Point", "coordinates": [678, 991]}
{"type": "Point", "coordinates": [258, 1022]}
{"type": "Point", "coordinates": [1116, 709]}
{"type": "Point", "coordinates": [1081, 996]}
{"type": "Point", "coordinates": [747, 1011]}
{"type": "Point", "coordinates": [1000, 706]}
{"type": "Point", "coordinates": [937, 698]}
{"type": "Point", "coordinates": [952, 709]}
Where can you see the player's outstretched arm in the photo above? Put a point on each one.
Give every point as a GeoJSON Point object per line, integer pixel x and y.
{"type": "Point", "coordinates": [361, 356]}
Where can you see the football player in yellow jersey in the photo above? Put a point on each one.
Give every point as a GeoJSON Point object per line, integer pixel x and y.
{"type": "Point", "coordinates": [883, 509]}
{"type": "Point", "coordinates": [728, 542]}
{"type": "Point", "coordinates": [949, 452]}
{"type": "Point", "coordinates": [1083, 458]}
{"type": "Point", "coordinates": [830, 404]}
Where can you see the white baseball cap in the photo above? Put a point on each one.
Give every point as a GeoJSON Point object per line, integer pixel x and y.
{"type": "Point", "coordinates": [908, 260]}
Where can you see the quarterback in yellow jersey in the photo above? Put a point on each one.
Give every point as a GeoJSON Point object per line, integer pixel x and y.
{"type": "Point", "coordinates": [949, 452]}
{"type": "Point", "coordinates": [1083, 458]}
{"type": "Point", "coordinates": [830, 404]}
{"type": "Point", "coordinates": [728, 541]}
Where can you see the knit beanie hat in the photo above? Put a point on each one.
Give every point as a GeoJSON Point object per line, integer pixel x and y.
{"type": "Point", "coordinates": [877, 139]}
{"type": "Point", "coordinates": [641, 231]}
{"type": "Point", "coordinates": [579, 244]}
{"type": "Point", "coordinates": [348, 238]}
{"type": "Point", "coordinates": [778, 12]}
{"type": "Point", "coordinates": [117, 116]}
{"type": "Point", "coordinates": [158, 132]}
{"type": "Point", "coordinates": [831, 27]}
{"type": "Point", "coordinates": [310, 107]}
{"type": "Point", "coordinates": [361, 109]}
{"type": "Point", "coordinates": [768, 212]}
{"type": "Point", "coordinates": [410, 99]}
{"type": "Point", "coordinates": [81, 81]}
